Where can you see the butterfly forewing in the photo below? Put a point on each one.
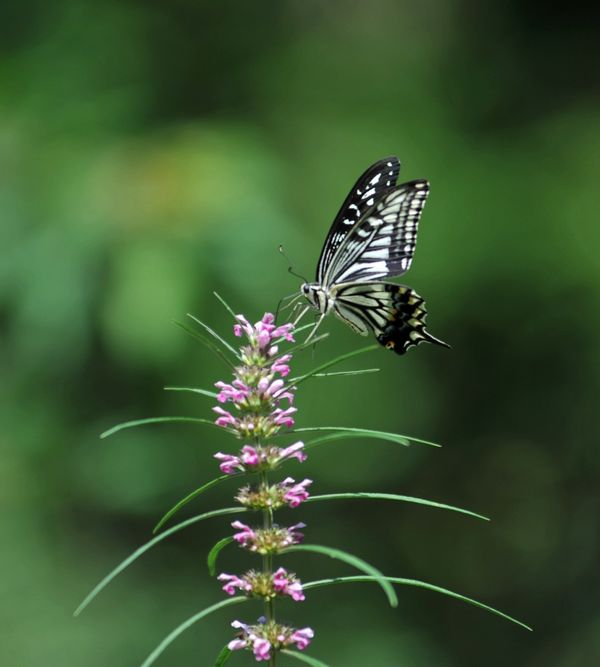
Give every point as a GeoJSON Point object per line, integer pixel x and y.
{"type": "Point", "coordinates": [382, 243]}
{"type": "Point", "coordinates": [369, 189]}
{"type": "Point", "coordinates": [396, 314]}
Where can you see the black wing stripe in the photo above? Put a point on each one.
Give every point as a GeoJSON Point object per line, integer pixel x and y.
{"type": "Point", "coordinates": [369, 188]}
{"type": "Point", "coordinates": [382, 243]}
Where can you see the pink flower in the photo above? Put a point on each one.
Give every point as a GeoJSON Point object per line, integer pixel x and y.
{"type": "Point", "coordinates": [293, 451]}
{"type": "Point", "coordinates": [243, 325]}
{"type": "Point", "coordinates": [229, 464]}
{"type": "Point", "coordinates": [296, 493]}
{"type": "Point", "coordinates": [275, 387]}
{"type": "Point", "coordinates": [261, 649]}
{"type": "Point", "coordinates": [302, 638]}
{"type": "Point", "coordinates": [250, 456]}
{"type": "Point", "coordinates": [284, 331]}
{"type": "Point", "coordinates": [282, 417]}
{"type": "Point", "coordinates": [236, 644]}
{"type": "Point", "coordinates": [245, 535]}
{"type": "Point", "coordinates": [293, 536]}
{"type": "Point", "coordinates": [263, 338]}
{"type": "Point", "coordinates": [280, 365]}
{"type": "Point", "coordinates": [226, 418]}
{"type": "Point", "coordinates": [233, 582]}
{"type": "Point", "coordinates": [286, 584]}
{"type": "Point", "coordinates": [236, 392]}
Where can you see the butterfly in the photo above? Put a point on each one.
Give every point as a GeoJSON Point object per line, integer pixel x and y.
{"type": "Point", "coordinates": [373, 236]}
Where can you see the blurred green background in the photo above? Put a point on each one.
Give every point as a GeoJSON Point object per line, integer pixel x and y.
{"type": "Point", "coordinates": [153, 152]}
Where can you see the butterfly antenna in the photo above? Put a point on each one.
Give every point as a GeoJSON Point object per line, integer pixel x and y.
{"type": "Point", "coordinates": [290, 269]}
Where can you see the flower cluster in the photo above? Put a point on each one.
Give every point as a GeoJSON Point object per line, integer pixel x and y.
{"type": "Point", "coordinates": [259, 405]}
{"type": "Point", "coordinates": [258, 389]}
{"type": "Point", "coordinates": [267, 540]}
{"type": "Point", "coordinates": [266, 637]}
{"type": "Point", "coordinates": [264, 584]}
{"type": "Point", "coordinates": [259, 458]}
{"type": "Point", "coordinates": [275, 496]}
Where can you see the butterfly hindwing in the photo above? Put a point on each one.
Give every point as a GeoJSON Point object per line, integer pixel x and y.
{"type": "Point", "coordinates": [369, 188]}
{"type": "Point", "coordinates": [382, 243]}
{"type": "Point", "coordinates": [396, 314]}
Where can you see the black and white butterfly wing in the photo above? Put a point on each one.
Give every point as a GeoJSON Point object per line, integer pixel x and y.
{"type": "Point", "coordinates": [369, 188]}
{"type": "Point", "coordinates": [382, 243]}
{"type": "Point", "coordinates": [396, 314]}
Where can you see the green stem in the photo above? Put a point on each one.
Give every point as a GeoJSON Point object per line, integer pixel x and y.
{"type": "Point", "coordinates": [267, 561]}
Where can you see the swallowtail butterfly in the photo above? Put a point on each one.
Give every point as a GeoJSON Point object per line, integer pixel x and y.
{"type": "Point", "coordinates": [372, 237]}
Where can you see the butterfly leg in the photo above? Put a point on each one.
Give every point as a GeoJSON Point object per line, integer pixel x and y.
{"type": "Point", "coordinates": [293, 298]}
{"type": "Point", "coordinates": [314, 329]}
{"type": "Point", "coordinates": [302, 314]}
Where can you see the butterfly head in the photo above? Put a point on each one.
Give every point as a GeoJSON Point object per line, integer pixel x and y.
{"type": "Point", "coordinates": [316, 296]}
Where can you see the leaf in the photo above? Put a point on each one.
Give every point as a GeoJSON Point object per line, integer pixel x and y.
{"type": "Point", "coordinates": [350, 432]}
{"type": "Point", "coordinates": [155, 420]}
{"type": "Point", "coordinates": [215, 335]}
{"type": "Point", "coordinates": [172, 636]}
{"type": "Point", "coordinates": [195, 390]}
{"type": "Point", "coordinates": [337, 360]}
{"type": "Point", "coordinates": [148, 545]}
{"type": "Point", "coordinates": [213, 554]}
{"type": "Point", "coordinates": [360, 371]}
{"type": "Point", "coordinates": [419, 584]}
{"type": "Point", "coordinates": [223, 656]}
{"type": "Point", "coordinates": [191, 496]}
{"type": "Point", "coordinates": [222, 300]}
{"type": "Point", "coordinates": [309, 660]}
{"type": "Point", "coordinates": [392, 496]}
{"type": "Point", "coordinates": [355, 561]}
{"type": "Point", "coordinates": [206, 342]}
{"type": "Point", "coordinates": [363, 371]}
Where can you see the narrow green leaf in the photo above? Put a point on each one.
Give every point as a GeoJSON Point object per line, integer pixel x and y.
{"type": "Point", "coordinates": [155, 420]}
{"type": "Point", "coordinates": [215, 335]}
{"type": "Point", "coordinates": [180, 629]}
{"type": "Point", "coordinates": [309, 660]}
{"type": "Point", "coordinates": [363, 371]}
{"type": "Point", "coordinates": [206, 342]}
{"type": "Point", "coordinates": [184, 501]}
{"type": "Point", "coordinates": [148, 545]}
{"type": "Point", "coordinates": [361, 495]}
{"type": "Point", "coordinates": [419, 584]}
{"type": "Point", "coordinates": [337, 360]}
{"type": "Point", "coordinates": [360, 371]}
{"type": "Point", "coordinates": [350, 432]}
{"type": "Point", "coordinates": [195, 390]}
{"type": "Point", "coordinates": [223, 656]}
{"type": "Point", "coordinates": [222, 300]}
{"type": "Point", "coordinates": [213, 554]}
{"type": "Point", "coordinates": [355, 561]}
